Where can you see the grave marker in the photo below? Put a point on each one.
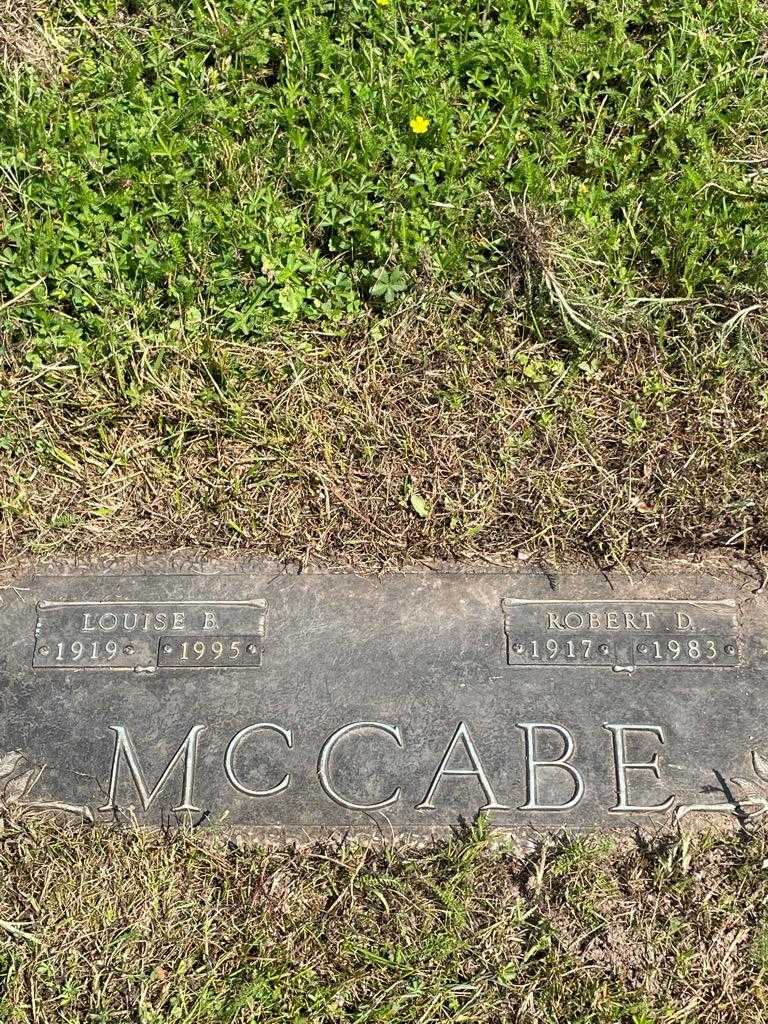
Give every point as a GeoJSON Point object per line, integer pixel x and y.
{"type": "Point", "coordinates": [407, 702]}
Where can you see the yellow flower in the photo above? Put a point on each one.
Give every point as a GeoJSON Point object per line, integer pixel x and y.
{"type": "Point", "coordinates": [419, 124]}
{"type": "Point", "coordinates": [382, 3]}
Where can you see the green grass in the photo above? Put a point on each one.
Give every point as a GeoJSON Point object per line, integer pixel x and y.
{"type": "Point", "coordinates": [238, 290]}
{"type": "Point", "coordinates": [109, 925]}
{"type": "Point", "coordinates": [245, 163]}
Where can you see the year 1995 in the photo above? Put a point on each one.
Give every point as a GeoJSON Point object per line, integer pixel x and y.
{"type": "Point", "coordinates": [234, 651]}
{"type": "Point", "coordinates": [196, 650]}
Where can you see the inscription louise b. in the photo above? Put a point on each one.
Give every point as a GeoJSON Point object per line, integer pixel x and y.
{"type": "Point", "coordinates": [142, 636]}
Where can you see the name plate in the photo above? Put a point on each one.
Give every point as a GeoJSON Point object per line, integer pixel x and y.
{"type": "Point", "coordinates": [142, 636]}
{"type": "Point", "coordinates": [621, 634]}
{"type": "Point", "coordinates": [409, 702]}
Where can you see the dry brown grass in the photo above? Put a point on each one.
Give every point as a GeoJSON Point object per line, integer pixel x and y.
{"type": "Point", "coordinates": [314, 445]}
{"type": "Point", "coordinates": [114, 925]}
{"type": "Point", "coordinates": [23, 38]}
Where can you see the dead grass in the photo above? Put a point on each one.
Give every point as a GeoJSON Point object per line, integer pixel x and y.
{"type": "Point", "coordinates": [115, 925]}
{"type": "Point", "coordinates": [24, 41]}
{"type": "Point", "coordinates": [426, 437]}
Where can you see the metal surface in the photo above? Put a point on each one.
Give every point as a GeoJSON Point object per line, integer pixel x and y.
{"type": "Point", "coordinates": [407, 702]}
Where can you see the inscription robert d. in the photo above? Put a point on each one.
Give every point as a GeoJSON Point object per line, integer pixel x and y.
{"type": "Point", "coordinates": [143, 636]}
{"type": "Point", "coordinates": [633, 621]}
{"type": "Point", "coordinates": [619, 634]}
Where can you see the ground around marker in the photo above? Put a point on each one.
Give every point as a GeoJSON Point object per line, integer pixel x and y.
{"type": "Point", "coordinates": [115, 925]}
{"type": "Point", "coordinates": [243, 301]}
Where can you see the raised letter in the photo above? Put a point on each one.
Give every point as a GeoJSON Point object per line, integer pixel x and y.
{"type": "Point", "coordinates": [325, 756]}
{"type": "Point", "coordinates": [622, 766]}
{"type": "Point", "coordinates": [210, 621]}
{"type": "Point", "coordinates": [124, 747]}
{"type": "Point", "coordinates": [462, 733]}
{"type": "Point", "coordinates": [532, 764]}
{"type": "Point", "coordinates": [683, 621]}
{"type": "Point", "coordinates": [229, 758]}
{"type": "Point", "coordinates": [574, 620]}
